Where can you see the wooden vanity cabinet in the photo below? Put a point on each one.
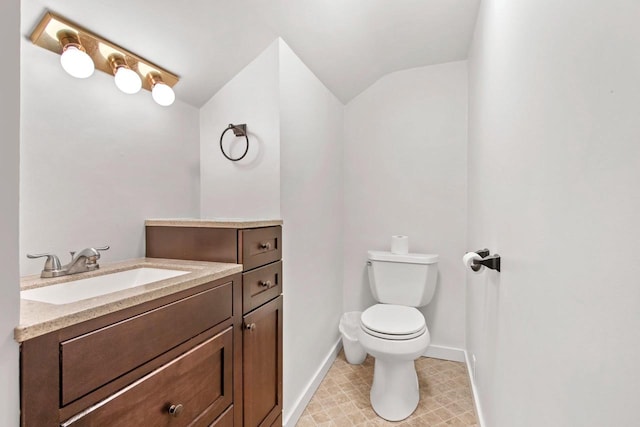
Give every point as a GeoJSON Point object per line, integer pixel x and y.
{"type": "Point", "coordinates": [167, 362]}
{"type": "Point", "coordinates": [259, 250]}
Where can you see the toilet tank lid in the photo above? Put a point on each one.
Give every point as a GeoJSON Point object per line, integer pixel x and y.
{"type": "Point", "coordinates": [407, 258]}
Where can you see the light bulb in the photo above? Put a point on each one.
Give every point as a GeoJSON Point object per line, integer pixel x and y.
{"type": "Point", "coordinates": [76, 62]}
{"type": "Point", "coordinates": [163, 94]}
{"type": "Point", "coordinates": [128, 80]}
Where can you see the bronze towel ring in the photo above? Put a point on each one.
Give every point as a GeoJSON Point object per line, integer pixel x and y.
{"type": "Point", "coordinates": [238, 130]}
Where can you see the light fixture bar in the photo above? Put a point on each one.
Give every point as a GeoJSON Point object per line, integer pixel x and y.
{"type": "Point", "coordinates": [48, 32]}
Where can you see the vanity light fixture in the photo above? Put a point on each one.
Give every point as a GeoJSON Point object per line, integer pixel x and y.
{"type": "Point", "coordinates": [74, 58]}
{"type": "Point", "coordinates": [160, 91]}
{"type": "Point", "coordinates": [83, 51]}
{"type": "Point", "coordinates": [127, 80]}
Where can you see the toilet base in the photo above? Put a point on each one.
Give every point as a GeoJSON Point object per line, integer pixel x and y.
{"type": "Point", "coordinates": [394, 393]}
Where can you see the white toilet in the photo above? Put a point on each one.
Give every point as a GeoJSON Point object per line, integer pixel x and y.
{"type": "Point", "coordinates": [394, 332]}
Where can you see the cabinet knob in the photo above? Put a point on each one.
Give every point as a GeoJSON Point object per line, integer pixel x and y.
{"type": "Point", "coordinates": [265, 284]}
{"type": "Point", "coordinates": [176, 410]}
{"type": "Point", "coordinates": [250, 326]}
{"type": "Point", "coordinates": [265, 245]}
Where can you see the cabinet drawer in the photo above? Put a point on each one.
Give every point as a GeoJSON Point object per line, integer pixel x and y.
{"type": "Point", "coordinates": [199, 380]}
{"type": "Point", "coordinates": [261, 285]}
{"type": "Point", "coordinates": [92, 360]}
{"type": "Point", "coordinates": [259, 246]}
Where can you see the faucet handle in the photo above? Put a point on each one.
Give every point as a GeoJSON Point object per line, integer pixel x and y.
{"type": "Point", "coordinates": [97, 253]}
{"type": "Point", "coordinates": [92, 255]}
{"type": "Point", "coordinates": [98, 250]}
{"type": "Point", "coordinates": [51, 264]}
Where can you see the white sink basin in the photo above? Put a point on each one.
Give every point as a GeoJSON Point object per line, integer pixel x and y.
{"type": "Point", "coordinates": [76, 290]}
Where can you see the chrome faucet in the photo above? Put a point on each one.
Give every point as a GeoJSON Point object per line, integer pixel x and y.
{"type": "Point", "coordinates": [85, 260]}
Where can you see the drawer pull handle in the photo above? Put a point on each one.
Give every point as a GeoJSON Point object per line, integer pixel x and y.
{"type": "Point", "coordinates": [176, 410]}
{"type": "Point", "coordinates": [250, 326]}
{"type": "Point", "coordinates": [265, 245]}
{"type": "Point", "coordinates": [265, 284]}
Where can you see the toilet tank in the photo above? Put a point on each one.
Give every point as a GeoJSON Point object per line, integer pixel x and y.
{"type": "Point", "coordinates": [407, 279]}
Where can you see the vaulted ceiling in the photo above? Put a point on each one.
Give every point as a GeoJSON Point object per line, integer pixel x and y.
{"type": "Point", "coordinates": [348, 44]}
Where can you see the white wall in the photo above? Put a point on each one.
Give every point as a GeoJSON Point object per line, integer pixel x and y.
{"type": "Point", "coordinates": [294, 171]}
{"type": "Point", "coordinates": [95, 163]}
{"type": "Point", "coordinates": [554, 166]}
{"type": "Point", "coordinates": [249, 188]}
{"type": "Point", "coordinates": [9, 185]}
{"type": "Point", "coordinates": [311, 126]}
{"type": "Point", "coordinates": [405, 173]}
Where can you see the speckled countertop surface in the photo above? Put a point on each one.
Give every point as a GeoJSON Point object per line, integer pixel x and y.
{"type": "Point", "coordinates": [38, 318]}
{"type": "Point", "coordinates": [213, 222]}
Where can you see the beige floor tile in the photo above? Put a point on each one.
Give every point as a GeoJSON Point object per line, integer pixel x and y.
{"type": "Point", "coordinates": [455, 408]}
{"type": "Point", "coordinates": [341, 421]}
{"type": "Point", "coordinates": [357, 418]}
{"type": "Point", "coordinates": [454, 422]}
{"type": "Point", "coordinates": [320, 417]}
{"type": "Point", "coordinates": [306, 421]}
{"type": "Point", "coordinates": [443, 413]}
{"type": "Point", "coordinates": [313, 407]}
{"type": "Point", "coordinates": [335, 412]}
{"type": "Point", "coordinates": [342, 400]}
{"type": "Point", "coordinates": [468, 417]}
{"type": "Point", "coordinates": [349, 408]}
{"type": "Point", "coordinates": [341, 397]}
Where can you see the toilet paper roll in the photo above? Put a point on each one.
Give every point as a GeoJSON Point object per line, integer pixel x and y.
{"type": "Point", "coordinates": [400, 244]}
{"type": "Point", "coordinates": [467, 260]}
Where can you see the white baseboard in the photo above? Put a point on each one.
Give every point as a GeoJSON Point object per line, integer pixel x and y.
{"type": "Point", "coordinates": [293, 415]}
{"type": "Point", "coordinates": [445, 353]}
{"type": "Point", "coordinates": [474, 389]}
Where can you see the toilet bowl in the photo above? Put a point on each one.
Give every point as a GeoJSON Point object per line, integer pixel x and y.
{"type": "Point", "coordinates": [395, 336]}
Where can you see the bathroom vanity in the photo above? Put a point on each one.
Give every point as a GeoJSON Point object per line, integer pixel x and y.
{"type": "Point", "coordinates": [257, 245]}
{"type": "Point", "coordinates": [200, 349]}
{"type": "Point", "coordinates": [146, 355]}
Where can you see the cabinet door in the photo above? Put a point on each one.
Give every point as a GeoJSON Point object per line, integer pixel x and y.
{"type": "Point", "coordinates": [262, 362]}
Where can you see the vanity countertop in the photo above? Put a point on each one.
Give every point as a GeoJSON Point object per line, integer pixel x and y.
{"type": "Point", "coordinates": [38, 318]}
{"type": "Point", "coordinates": [213, 222]}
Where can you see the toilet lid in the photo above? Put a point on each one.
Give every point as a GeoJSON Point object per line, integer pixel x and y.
{"type": "Point", "coordinates": [393, 321]}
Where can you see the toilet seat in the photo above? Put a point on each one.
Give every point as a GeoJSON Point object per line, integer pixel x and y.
{"type": "Point", "coordinates": [393, 322]}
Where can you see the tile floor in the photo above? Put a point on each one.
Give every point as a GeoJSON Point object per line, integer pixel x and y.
{"type": "Point", "coordinates": [343, 396]}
